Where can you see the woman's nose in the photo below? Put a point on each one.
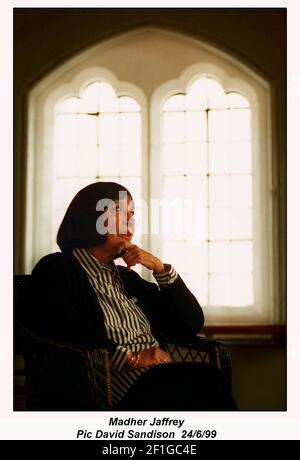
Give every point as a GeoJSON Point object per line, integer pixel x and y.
{"type": "Point", "coordinates": [130, 221]}
{"type": "Point", "coordinates": [130, 215]}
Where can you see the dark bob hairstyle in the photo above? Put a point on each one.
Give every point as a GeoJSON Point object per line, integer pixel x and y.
{"type": "Point", "coordinates": [78, 227]}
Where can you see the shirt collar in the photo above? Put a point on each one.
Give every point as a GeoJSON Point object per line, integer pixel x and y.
{"type": "Point", "coordinates": [91, 264]}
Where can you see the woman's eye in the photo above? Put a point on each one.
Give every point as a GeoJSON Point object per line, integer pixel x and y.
{"type": "Point", "coordinates": [119, 209]}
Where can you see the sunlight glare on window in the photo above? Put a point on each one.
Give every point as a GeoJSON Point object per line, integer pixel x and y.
{"type": "Point", "coordinates": [71, 160]}
{"type": "Point", "coordinates": [241, 190]}
{"type": "Point", "coordinates": [219, 158]}
{"type": "Point", "coordinates": [175, 103]}
{"type": "Point", "coordinates": [108, 102]}
{"type": "Point", "coordinates": [196, 189]}
{"type": "Point", "coordinates": [109, 129]}
{"type": "Point", "coordinates": [66, 189]}
{"type": "Point", "coordinates": [196, 161]}
{"type": "Point", "coordinates": [130, 127]}
{"type": "Point", "coordinates": [240, 158]}
{"type": "Point", "coordinates": [196, 97]}
{"type": "Point", "coordinates": [174, 253]}
{"type": "Point", "coordinates": [109, 160]}
{"type": "Point", "coordinates": [195, 126]}
{"type": "Point", "coordinates": [241, 294]}
{"type": "Point", "coordinates": [215, 94]}
{"type": "Point", "coordinates": [128, 104]}
{"type": "Point", "coordinates": [173, 157]}
{"type": "Point", "coordinates": [87, 130]}
{"type": "Point", "coordinates": [174, 127]}
{"type": "Point", "coordinates": [239, 123]}
{"type": "Point", "coordinates": [241, 257]}
{"type": "Point", "coordinates": [236, 101]}
{"type": "Point", "coordinates": [218, 125]}
{"type": "Point", "coordinates": [206, 149]}
{"type": "Point", "coordinates": [97, 136]}
{"type": "Point", "coordinates": [219, 290]}
{"type": "Point", "coordinates": [90, 98]}
{"type": "Point", "coordinates": [69, 105]}
{"type": "Point", "coordinates": [66, 129]}
{"type": "Point", "coordinates": [241, 223]}
{"type": "Point", "coordinates": [174, 187]}
{"type": "Point", "coordinates": [219, 191]}
{"type": "Point", "coordinates": [219, 224]}
{"type": "Point", "coordinates": [219, 257]}
{"type": "Point", "coordinates": [133, 167]}
{"type": "Point", "coordinates": [198, 284]}
{"type": "Point", "coordinates": [197, 257]}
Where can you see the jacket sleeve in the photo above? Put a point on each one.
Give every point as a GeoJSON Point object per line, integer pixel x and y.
{"type": "Point", "coordinates": [173, 309]}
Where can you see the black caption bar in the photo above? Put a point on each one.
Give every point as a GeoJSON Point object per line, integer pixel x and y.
{"type": "Point", "coordinates": [93, 449]}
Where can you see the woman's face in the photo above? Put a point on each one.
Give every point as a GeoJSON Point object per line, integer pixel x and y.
{"type": "Point", "coordinates": [121, 223]}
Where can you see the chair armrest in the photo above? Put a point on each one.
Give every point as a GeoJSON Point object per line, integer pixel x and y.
{"type": "Point", "coordinates": [201, 349]}
{"type": "Point", "coordinates": [65, 372]}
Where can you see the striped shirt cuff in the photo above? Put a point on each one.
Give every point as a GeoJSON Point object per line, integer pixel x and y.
{"type": "Point", "coordinates": [167, 277]}
{"type": "Point", "coordinates": [119, 358]}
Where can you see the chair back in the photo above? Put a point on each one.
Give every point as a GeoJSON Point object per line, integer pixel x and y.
{"type": "Point", "coordinates": [59, 376]}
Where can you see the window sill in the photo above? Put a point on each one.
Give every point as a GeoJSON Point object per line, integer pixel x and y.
{"type": "Point", "coordinates": [247, 335]}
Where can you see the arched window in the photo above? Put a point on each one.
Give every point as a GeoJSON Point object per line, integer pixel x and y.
{"type": "Point", "coordinates": [97, 136]}
{"type": "Point", "coordinates": [212, 131]}
{"type": "Point", "coordinates": [207, 164]}
{"type": "Point", "coordinates": [197, 129]}
{"type": "Point", "coordinates": [81, 130]}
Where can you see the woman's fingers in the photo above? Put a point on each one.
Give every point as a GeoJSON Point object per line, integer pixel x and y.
{"type": "Point", "coordinates": [135, 255]}
{"type": "Point", "coordinates": [153, 356]}
{"type": "Point", "coordinates": [131, 259]}
{"type": "Point", "coordinates": [161, 355]}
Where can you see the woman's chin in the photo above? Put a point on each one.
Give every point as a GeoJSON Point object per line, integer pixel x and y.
{"type": "Point", "coordinates": [126, 237]}
{"type": "Point", "coordinates": [121, 250]}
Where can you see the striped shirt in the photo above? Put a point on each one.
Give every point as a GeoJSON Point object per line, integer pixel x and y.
{"type": "Point", "coordinates": [125, 322]}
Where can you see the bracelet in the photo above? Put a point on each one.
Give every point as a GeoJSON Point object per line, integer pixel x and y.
{"type": "Point", "coordinates": [134, 359]}
{"type": "Point", "coordinates": [130, 362]}
{"type": "Point", "coordinates": [138, 355]}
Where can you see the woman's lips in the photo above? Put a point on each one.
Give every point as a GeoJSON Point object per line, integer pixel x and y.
{"type": "Point", "coordinates": [127, 236]}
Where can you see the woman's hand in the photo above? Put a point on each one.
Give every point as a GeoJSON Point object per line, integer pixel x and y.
{"type": "Point", "coordinates": [151, 357]}
{"type": "Point", "coordinates": [133, 255]}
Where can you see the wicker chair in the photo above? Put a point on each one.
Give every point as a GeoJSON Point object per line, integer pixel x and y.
{"type": "Point", "coordinates": [61, 376]}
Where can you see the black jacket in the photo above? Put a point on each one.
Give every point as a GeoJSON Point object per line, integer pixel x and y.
{"type": "Point", "coordinates": [64, 306]}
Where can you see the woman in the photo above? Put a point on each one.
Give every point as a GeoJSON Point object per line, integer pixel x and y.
{"type": "Point", "coordinates": [89, 300]}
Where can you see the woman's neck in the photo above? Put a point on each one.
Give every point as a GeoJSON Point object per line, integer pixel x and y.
{"type": "Point", "coordinates": [102, 254]}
